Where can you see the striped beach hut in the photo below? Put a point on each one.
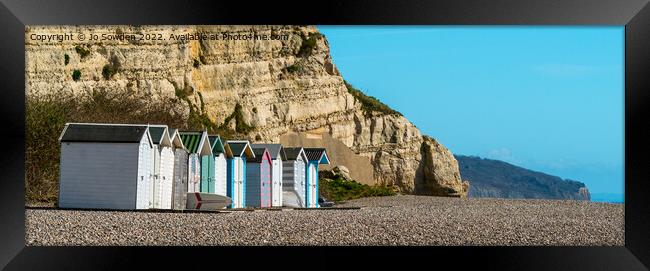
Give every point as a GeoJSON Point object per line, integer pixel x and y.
{"type": "Point", "coordinates": [179, 189]}
{"type": "Point", "coordinates": [198, 147]}
{"type": "Point", "coordinates": [163, 156]}
{"type": "Point", "coordinates": [241, 151]}
{"type": "Point", "coordinates": [315, 157]}
{"type": "Point", "coordinates": [276, 152]}
{"type": "Point", "coordinates": [258, 179]}
{"type": "Point", "coordinates": [293, 177]}
{"type": "Point", "coordinates": [105, 166]}
{"type": "Point", "coordinates": [220, 152]}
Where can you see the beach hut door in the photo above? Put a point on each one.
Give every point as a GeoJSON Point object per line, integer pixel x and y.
{"type": "Point", "coordinates": [313, 178]}
{"type": "Point", "coordinates": [211, 173]}
{"type": "Point", "coordinates": [207, 174]}
{"type": "Point", "coordinates": [237, 183]}
{"type": "Point", "coordinates": [240, 185]}
{"type": "Point", "coordinates": [275, 186]}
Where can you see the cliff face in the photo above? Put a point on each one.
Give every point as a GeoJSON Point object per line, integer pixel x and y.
{"type": "Point", "coordinates": [282, 86]}
{"type": "Point", "coordinates": [498, 179]}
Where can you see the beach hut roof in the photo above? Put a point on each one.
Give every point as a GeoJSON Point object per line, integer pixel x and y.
{"type": "Point", "coordinates": [275, 150]}
{"type": "Point", "coordinates": [240, 148]}
{"type": "Point", "coordinates": [260, 153]}
{"type": "Point", "coordinates": [292, 153]}
{"type": "Point", "coordinates": [317, 154]}
{"type": "Point", "coordinates": [160, 134]}
{"type": "Point", "coordinates": [103, 132]}
{"type": "Point", "coordinates": [196, 142]}
{"type": "Point", "coordinates": [176, 138]}
{"type": "Point", "coordinates": [218, 147]}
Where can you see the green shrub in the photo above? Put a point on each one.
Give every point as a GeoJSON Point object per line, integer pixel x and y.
{"type": "Point", "coordinates": [369, 103]}
{"type": "Point", "coordinates": [240, 126]}
{"type": "Point", "coordinates": [182, 93]}
{"type": "Point", "coordinates": [76, 74]}
{"type": "Point", "coordinates": [66, 59]}
{"type": "Point", "coordinates": [293, 68]}
{"type": "Point", "coordinates": [108, 71]}
{"type": "Point", "coordinates": [201, 101]}
{"type": "Point", "coordinates": [44, 121]}
{"type": "Point", "coordinates": [308, 44]}
{"type": "Point", "coordinates": [83, 52]}
{"type": "Point", "coordinates": [340, 189]}
{"type": "Point", "coordinates": [197, 118]}
{"type": "Point", "coordinates": [111, 68]}
{"type": "Point", "coordinates": [199, 121]}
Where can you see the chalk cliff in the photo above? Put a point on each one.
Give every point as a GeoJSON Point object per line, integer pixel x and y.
{"type": "Point", "coordinates": [259, 89]}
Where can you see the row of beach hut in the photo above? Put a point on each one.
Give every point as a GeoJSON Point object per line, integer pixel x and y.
{"type": "Point", "coordinates": [131, 166]}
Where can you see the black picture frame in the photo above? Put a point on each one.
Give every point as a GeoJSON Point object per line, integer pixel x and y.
{"type": "Point", "coordinates": [635, 15]}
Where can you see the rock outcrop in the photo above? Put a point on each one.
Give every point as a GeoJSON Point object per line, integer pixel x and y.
{"type": "Point", "coordinates": [441, 171]}
{"type": "Point", "coordinates": [260, 89]}
{"type": "Point", "coordinates": [336, 172]}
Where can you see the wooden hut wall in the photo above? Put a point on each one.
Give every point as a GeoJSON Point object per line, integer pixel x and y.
{"type": "Point", "coordinates": [253, 185]}
{"type": "Point", "coordinates": [276, 182]}
{"type": "Point", "coordinates": [154, 182]}
{"type": "Point", "coordinates": [237, 181]}
{"type": "Point", "coordinates": [194, 173]}
{"type": "Point", "coordinates": [91, 177]}
{"type": "Point", "coordinates": [220, 174]}
{"type": "Point", "coordinates": [145, 172]}
{"type": "Point", "coordinates": [179, 197]}
{"type": "Point", "coordinates": [166, 176]}
{"type": "Point", "coordinates": [207, 174]}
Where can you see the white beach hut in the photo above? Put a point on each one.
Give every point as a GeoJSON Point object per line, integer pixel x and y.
{"type": "Point", "coordinates": [179, 189]}
{"type": "Point", "coordinates": [293, 177]}
{"type": "Point", "coordinates": [105, 166]}
{"type": "Point", "coordinates": [162, 181]}
{"type": "Point", "coordinates": [276, 152]}
{"type": "Point", "coordinates": [197, 145]}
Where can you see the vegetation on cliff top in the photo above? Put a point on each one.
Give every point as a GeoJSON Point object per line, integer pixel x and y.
{"type": "Point", "coordinates": [370, 103]}
{"type": "Point", "coordinates": [309, 43]}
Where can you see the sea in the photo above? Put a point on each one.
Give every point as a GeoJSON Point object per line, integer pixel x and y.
{"type": "Point", "coordinates": [608, 197]}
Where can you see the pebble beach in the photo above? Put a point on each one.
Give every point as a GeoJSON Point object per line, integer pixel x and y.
{"type": "Point", "coordinates": [396, 220]}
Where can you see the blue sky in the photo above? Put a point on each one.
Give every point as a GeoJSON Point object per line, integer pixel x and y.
{"type": "Point", "coordinates": [545, 98]}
